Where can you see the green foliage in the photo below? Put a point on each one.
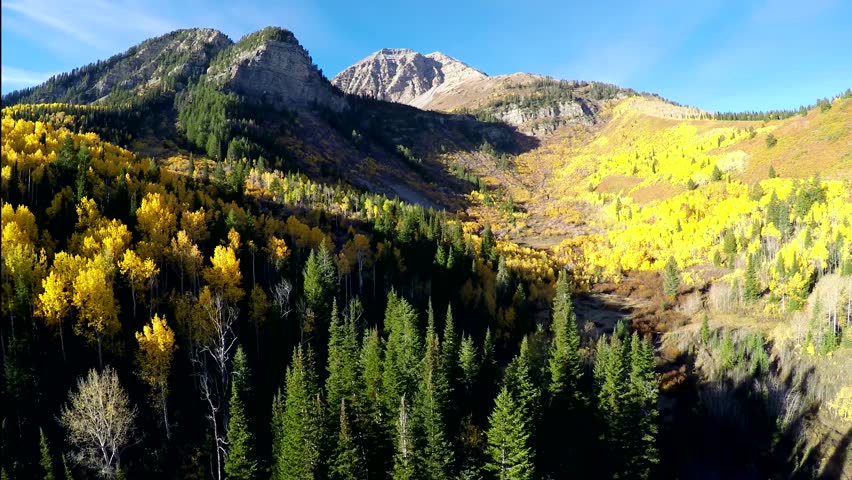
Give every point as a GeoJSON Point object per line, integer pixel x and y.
{"type": "Point", "coordinates": [46, 461]}
{"type": "Point", "coordinates": [564, 361]}
{"type": "Point", "coordinates": [346, 463]}
{"type": "Point", "coordinates": [671, 277]}
{"type": "Point", "coordinates": [716, 175]}
{"type": "Point", "coordinates": [240, 461]}
{"type": "Point", "coordinates": [772, 173]}
{"type": "Point", "coordinates": [403, 352]}
{"type": "Point", "coordinates": [520, 379]}
{"type": "Point", "coordinates": [300, 433]}
{"type": "Point", "coordinates": [434, 456]}
{"type": "Point", "coordinates": [509, 452]}
{"type": "Point", "coordinates": [704, 333]}
{"type": "Point", "coordinates": [751, 287]}
{"type": "Point", "coordinates": [342, 382]}
{"type": "Point", "coordinates": [771, 141]}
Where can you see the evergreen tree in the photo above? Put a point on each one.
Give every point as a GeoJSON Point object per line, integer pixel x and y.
{"type": "Point", "coordinates": [565, 395]}
{"type": "Point", "coordinates": [402, 352]}
{"type": "Point", "coordinates": [46, 461]}
{"type": "Point", "coordinates": [716, 175]}
{"type": "Point", "coordinates": [374, 421]}
{"type": "Point", "coordinates": [642, 452]}
{"type": "Point", "coordinates": [488, 249]}
{"type": "Point", "coordinates": [346, 463]}
{"type": "Point", "coordinates": [468, 364]}
{"type": "Point", "coordinates": [520, 379]}
{"type": "Point", "coordinates": [403, 461]}
{"type": "Point", "coordinates": [434, 454]}
{"type": "Point", "coordinates": [450, 349]}
{"type": "Point", "coordinates": [671, 277]}
{"type": "Point", "coordinates": [342, 379]}
{"type": "Point", "coordinates": [613, 402]}
{"type": "Point", "coordinates": [751, 288]}
{"type": "Point", "coordinates": [772, 173]}
{"type": "Point", "coordinates": [319, 282]}
{"type": "Point", "coordinates": [300, 435]}
{"type": "Point", "coordinates": [509, 452]}
{"type": "Point", "coordinates": [705, 330]}
{"type": "Point", "coordinates": [240, 462]}
{"type": "Point", "coordinates": [564, 360]}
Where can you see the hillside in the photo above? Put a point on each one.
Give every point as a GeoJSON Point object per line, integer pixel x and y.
{"type": "Point", "coordinates": [165, 63]}
{"type": "Point", "coordinates": [416, 270]}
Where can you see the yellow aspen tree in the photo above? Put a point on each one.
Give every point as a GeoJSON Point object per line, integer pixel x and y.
{"type": "Point", "coordinates": [97, 310]}
{"type": "Point", "coordinates": [154, 361]}
{"type": "Point", "coordinates": [139, 272]}
{"type": "Point", "coordinates": [54, 303]}
{"type": "Point", "coordinates": [186, 256]}
{"type": "Point", "coordinates": [157, 222]}
{"type": "Point", "coordinates": [224, 276]}
{"type": "Point", "coordinates": [278, 252]}
{"type": "Point", "coordinates": [195, 224]}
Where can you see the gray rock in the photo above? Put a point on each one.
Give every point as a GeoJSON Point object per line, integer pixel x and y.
{"type": "Point", "coordinates": [404, 76]}
{"type": "Point", "coordinates": [278, 74]}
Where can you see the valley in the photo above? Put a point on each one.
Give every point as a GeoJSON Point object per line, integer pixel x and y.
{"type": "Point", "coordinates": [416, 264]}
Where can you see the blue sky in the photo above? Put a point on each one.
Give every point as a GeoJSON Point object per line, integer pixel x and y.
{"type": "Point", "coordinates": [716, 55]}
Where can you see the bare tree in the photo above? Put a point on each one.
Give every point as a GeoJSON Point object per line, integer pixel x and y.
{"type": "Point", "coordinates": [215, 344]}
{"type": "Point", "coordinates": [99, 421]}
{"type": "Point", "coordinates": [281, 297]}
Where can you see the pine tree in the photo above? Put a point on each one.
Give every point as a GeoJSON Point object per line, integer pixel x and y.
{"type": "Point", "coordinates": [346, 463]}
{"type": "Point", "coordinates": [300, 435]}
{"type": "Point", "coordinates": [642, 452]}
{"type": "Point", "coordinates": [342, 379]}
{"type": "Point", "coordinates": [509, 452]}
{"type": "Point", "coordinates": [705, 330]}
{"type": "Point", "coordinates": [469, 366]}
{"type": "Point", "coordinates": [402, 352]}
{"type": "Point", "coordinates": [434, 454]}
{"type": "Point", "coordinates": [520, 379]}
{"type": "Point", "coordinates": [564, 360]}
{"type": "Point", "coordinates": [403, 461]}
{"type": "Point", "coordinates": [751, 288]}
{"type": "Point", "coordinates": [373, 422]}
{"type": "Point", "coordinates": [565, 396]}
{"type": "Point", "coordinates": [240, 462]}
{"type": "Point", "coordinates": [46, 459]}
{"type": "Point", "coordinates": [613, 402]}
{"type": "Point", "coordinates": [671, 277]}
{"type": "Point", "coordinates": [772, 173]}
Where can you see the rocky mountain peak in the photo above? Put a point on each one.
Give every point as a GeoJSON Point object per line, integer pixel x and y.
{"type": "Point", "coordinates": [270, 67]}
{"type": "Point", "coordinates": [403, 75]}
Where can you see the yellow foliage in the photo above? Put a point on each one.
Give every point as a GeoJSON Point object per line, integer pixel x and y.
{"type": "Point", "coordinates": [154, 359]}
{"type": "Point", "coordinates": [224, 276]}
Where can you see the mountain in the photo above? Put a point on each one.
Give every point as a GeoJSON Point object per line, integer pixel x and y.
{"type": "Point", "coordinates": [270, 67]}
{"type": "Point", "coordinates": [404, 76]}
{"type": "Point", "coordinates": [200, 178]}
{"type": "Point", "coordinates": [165, 62]}
{"type": "Point", "coordinates": [535, 104]}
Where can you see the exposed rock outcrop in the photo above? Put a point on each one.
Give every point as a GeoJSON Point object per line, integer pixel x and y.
{"type": "Point", "coordinates": [404, 76]}
{"type": "Point", "coordinates": [269, 67]}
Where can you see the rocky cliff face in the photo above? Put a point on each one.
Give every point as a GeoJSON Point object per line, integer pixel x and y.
{"type": "Point", "coordinates": [271, 68]}
{"type": "Point", "coordinates": [404, 76]}
{"type": "Point", "coordinates": [168, 61]}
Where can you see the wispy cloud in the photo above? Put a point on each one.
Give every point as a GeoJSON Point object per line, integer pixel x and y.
{"type": "Point", "coordinates": [96, 24]}
{"type": "Point", "coordinates": [15, 78]}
